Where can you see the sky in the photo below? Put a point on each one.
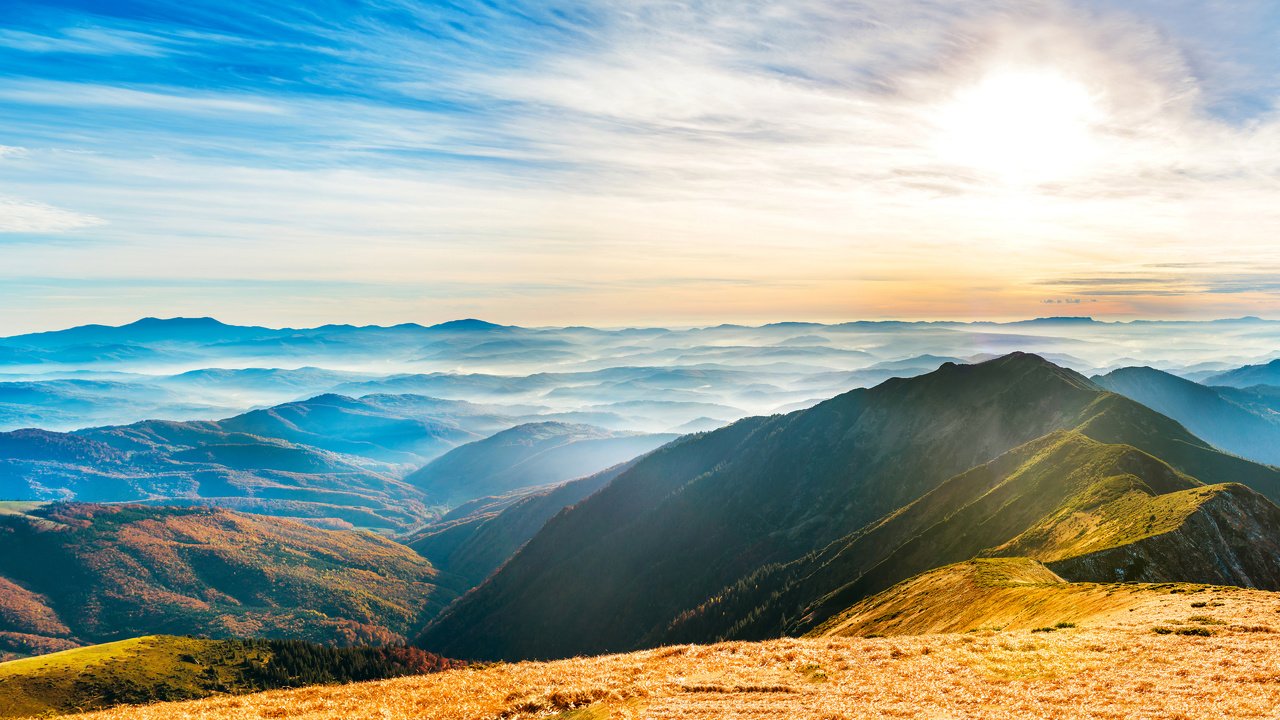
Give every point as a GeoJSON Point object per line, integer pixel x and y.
{"type": "Point", "coordinates": [640, 162]}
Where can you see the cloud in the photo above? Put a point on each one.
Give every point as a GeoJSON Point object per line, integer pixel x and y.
{"type": "Point", "coordinates": [86, 95]}
{"type": "Point", "coordinates": [600, 147]}
{"type": "Point", "coordinates": [86, 40]}
{"type": "Point", "coordinates": [24, 216]}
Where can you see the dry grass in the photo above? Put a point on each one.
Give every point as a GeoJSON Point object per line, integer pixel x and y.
{"type": "Point", "coordinates": [1119, 668]}
{"type": "Point", "coordinates": [1008, 594]}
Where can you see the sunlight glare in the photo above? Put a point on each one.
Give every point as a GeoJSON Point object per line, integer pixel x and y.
{"type": "Point", "coordinates": [1023, 127]}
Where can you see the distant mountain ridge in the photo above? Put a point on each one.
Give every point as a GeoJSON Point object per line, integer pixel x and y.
{"type": "Point", "coordinates": [331, 459]}
{"type": "Point", "coordinates": [1241, 421]}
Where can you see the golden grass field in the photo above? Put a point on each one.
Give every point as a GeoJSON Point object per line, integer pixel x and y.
{"type": "Point", "coordinates": [1225, 664]}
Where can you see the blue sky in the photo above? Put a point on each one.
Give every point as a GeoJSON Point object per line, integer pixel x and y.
{"type": "Point", "coordinates": [616, 163]}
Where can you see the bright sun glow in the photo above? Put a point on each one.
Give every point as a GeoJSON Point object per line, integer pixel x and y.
{"type": "Point", "coordinates": [1022, 127]}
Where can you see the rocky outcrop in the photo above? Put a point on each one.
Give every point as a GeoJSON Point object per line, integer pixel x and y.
{"type": "Point", "coordinates": [1231, 538]}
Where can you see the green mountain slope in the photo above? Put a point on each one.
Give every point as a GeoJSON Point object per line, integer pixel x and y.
{"type": "Point", "coordinates": [1096, 512]}
{"type": "Point", "coordinates": [670, 535]}
{"type": "Point", "coordinates": [94, 573]}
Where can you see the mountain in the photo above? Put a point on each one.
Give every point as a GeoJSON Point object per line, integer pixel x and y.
{"type": "Point", "coordinates": [1239, 421]}
{"type": "Point", "coordinates": [693, 519]}
{"type": "Point", "coordinates": [82, 573]}
{"type": "Point", "coordinates": [1248, 376]}
{"type": "Point", "coordinates": [525, 456]}
{"type": "Point", "coordinates": [159, 668]}
{"type": "Point", "coordinates": [145, 330]}
{"type": "Point", "coordinates": [368, 427]}
{"type": "Point", "coordinates": [1090, 511]}
{"type": "Point", "coordinates": [70, 403]}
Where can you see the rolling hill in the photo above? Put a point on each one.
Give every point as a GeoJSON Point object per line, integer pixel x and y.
{"type": "Point", "coordinates": [666, 540]}
{"type": "Point", "coordinates": [73, 574]}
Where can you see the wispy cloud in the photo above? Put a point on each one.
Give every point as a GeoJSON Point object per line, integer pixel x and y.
{"type": "Point", "coordinates": [599, 147]}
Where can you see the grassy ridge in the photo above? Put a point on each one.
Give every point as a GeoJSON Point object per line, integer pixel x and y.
{"type": "Point", "coordinates": [161, 668]}
{"type": "Point", "coordinates": [1002, 593]}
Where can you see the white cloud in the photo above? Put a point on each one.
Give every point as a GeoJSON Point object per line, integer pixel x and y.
{"type": "Point", "coordinates": [72, 94]}
{"type": "Point", "coordinates": [24, 216]}
{"type": "Point", "coordinates": [87, 41]}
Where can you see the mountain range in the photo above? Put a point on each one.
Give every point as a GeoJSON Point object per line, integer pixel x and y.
{"type": "Point", "coordinates": [331, 459]}
{"type": "Point", "coordinates": [1026, 490]}
{"type": "Point", "coordinates": [747, 531]}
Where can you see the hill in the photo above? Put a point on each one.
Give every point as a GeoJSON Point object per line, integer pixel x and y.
{"type": "Point", "coordinates": [160, 668]}
{"type": "Point", "coordinates": [1248, 376]}
{"type": "Point", "coordinates": [1239, 421]}
{"type": "Point", "coordinates": [527, 456]}
{"type": "Point", "coordinates": [72, 574]}
{"type": "Point", "coordinates": [1186, 651]}
{"type": "Point", "coordinates": [692, 520]}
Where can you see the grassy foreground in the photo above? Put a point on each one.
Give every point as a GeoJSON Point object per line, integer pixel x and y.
{"type": "Point", "coordinates": [1181, 652]}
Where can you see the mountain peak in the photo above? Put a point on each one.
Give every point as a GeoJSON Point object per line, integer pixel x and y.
{"type": "Point", "coordinates": [467, 325]}
{"type": "Point", "coordinates": [147, 322]}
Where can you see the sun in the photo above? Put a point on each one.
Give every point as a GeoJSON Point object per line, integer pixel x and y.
{"type": "Point", "coordinates": [1021, 127]}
